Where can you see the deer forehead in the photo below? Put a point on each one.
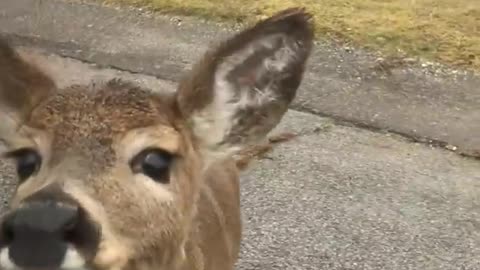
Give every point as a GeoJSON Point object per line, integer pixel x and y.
{"type": "Point", "coordinates": [105, 118]}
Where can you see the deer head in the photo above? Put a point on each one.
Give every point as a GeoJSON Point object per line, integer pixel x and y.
{"type": "Point", "coordinates": [112, 176]}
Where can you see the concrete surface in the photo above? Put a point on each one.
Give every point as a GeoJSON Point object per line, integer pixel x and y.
{"type": "Point", "coordinates": [431, 103]}
{"type": "Point", "coordinates": [340, 197]}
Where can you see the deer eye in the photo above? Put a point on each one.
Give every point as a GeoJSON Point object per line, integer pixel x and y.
{"type": "Point", "coordinates": [28, 162]}
{"type": "Point", "coordinates": [154, 163]}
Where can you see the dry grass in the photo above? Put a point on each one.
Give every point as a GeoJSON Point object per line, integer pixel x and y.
{"type": "Point", "coordinates": [447, 31]}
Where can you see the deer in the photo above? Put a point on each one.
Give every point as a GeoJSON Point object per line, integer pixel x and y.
{"type": "Point", "coordinates": [112, 176]}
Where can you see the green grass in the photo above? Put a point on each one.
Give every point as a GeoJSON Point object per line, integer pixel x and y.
{"type": "Point", "coordinates": [447, 31]}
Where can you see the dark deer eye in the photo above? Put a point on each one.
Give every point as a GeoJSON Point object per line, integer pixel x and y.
{"type": "Point", "coordinates": [28, 162]}
{"type": "Point", "coordinates": [154, 163]}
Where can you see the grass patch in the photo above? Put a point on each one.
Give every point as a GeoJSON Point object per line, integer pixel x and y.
{"type": "Point", "coordinates": [447, 31]}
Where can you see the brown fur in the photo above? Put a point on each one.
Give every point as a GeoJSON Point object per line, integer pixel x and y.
{"type": "Point", "coordinates": [87, 134]}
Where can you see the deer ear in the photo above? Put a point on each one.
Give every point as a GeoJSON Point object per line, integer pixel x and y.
{"type": "Point", "coordinates": [240, 90]}
{"type": "Point", "coordinates": [22, 87]}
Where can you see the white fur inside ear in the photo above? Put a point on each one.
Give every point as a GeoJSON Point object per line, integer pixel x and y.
{"type": "Point", "coordinates": [214, 123]}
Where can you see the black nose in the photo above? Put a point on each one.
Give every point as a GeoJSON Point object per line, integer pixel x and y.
{"type": "Point", "coordinates": [37, 234]}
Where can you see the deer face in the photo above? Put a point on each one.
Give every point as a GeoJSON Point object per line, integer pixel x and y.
{"type": "Point", "coordinates": [110, 175]}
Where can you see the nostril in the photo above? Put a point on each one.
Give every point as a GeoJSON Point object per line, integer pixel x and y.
{"type": "Point", "coordinates": [7, 232]}
{"type": "Point", "coordinates": [66, 231]}
{"type": "Point", "coordinates": [74, 231]}
{"type": "Point", "coordinates": [69, 230]}
{"type": "Point", "coordinates": [71, 222]}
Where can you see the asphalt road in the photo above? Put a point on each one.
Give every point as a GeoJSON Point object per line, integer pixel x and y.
{"type": "Point", "coordinates": [339, 197]}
